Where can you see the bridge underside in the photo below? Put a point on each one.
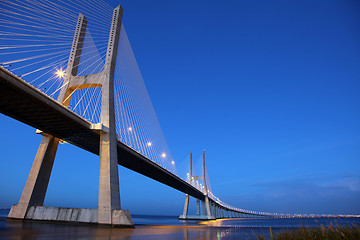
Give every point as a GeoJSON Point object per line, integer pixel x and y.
{"type": "Point", "coordinates": [26, 104]}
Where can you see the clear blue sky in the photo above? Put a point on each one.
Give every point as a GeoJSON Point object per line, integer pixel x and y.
{"type": "Point", "coordinates": [270, 89]}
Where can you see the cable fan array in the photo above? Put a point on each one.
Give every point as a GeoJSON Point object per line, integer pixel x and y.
{"type": "Point", "coordinates": [136, 121]}
{"type": "Point", "coordinates": [36, 38]}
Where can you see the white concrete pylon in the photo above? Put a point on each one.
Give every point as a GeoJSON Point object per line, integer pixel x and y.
{"type": "Point", "coordinates": [187, 199]}
{"type": "Point", "coordinates": [109, 209]}
{"type": "Point", "coordinates": [36, 185]}
{"type": "Point", "coordinates": [109, 192]}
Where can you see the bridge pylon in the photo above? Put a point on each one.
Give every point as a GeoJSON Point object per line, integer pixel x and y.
{"type": "Point", "coordinates": [203, 210]}
{"type": "Point", "coordinates": [30, 206]}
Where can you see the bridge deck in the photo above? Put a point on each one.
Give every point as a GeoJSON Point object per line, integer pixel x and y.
{"type": "Point", "coordinates": [26, 104]}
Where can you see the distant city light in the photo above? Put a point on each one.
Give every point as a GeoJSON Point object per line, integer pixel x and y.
{"type": "Point", "coordinates": [173, 162]}
{"type": "Point", "coordinates": [163, 155]}
{"type": "Point", "coordinates": [60, 73]}
{"type": "Point", "coordinates": [149, 144]}
{"type": "Point", "coordinates": [130, 129]}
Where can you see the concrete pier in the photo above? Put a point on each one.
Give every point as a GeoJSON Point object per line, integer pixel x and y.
{"type": "Point", "coordinates": [120, 218]}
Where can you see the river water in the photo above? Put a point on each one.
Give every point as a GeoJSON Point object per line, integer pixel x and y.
{"type": "Point", "coordinates": [164, 227]}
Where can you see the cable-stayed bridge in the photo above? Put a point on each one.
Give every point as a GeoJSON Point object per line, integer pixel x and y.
{"type": "Point", "coordinates": [74, 77]}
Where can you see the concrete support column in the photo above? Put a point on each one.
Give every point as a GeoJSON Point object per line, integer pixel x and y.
{"type": "Point", "coordinates": [197, 206]}
{"type": "Point", "coordinates": [203, 208]}
{"type": "Point", "coordinates": [213, 210]}
{"type": "Point", "coordinates": [36, 185]}
{"type": "Point", "coordinates": [207, 207]}
{"type": "Point", "coordinates": [186, 206]}
{"type": "Point", "coordinates": [109, 192]}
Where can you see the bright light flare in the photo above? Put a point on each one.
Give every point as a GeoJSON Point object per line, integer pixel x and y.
{"type": "Point", "coordinates": [60, 73]}
{"type": "Point", "coordinates": [172, 162]}
{"type": "Point", "coordinates": [130, 129]}
{"type": "Point", "coordinates": [163, 155]}
{"type": "Point", "coordinates": [149, 144]}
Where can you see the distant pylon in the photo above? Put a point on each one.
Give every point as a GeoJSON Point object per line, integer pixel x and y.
{"type": "Point", "coordinates": [205, 212]}
{"type": "Point", "coordinates": [109, 209]}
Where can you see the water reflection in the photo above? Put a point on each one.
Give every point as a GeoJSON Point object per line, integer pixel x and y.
{"type": "Point", "coordinates": [221, 229]}
{"type": "Point", "coordinates": [31, 230]}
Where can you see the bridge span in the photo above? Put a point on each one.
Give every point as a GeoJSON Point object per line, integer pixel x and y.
{"type": "Point", "coordinates": [25, 103]}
